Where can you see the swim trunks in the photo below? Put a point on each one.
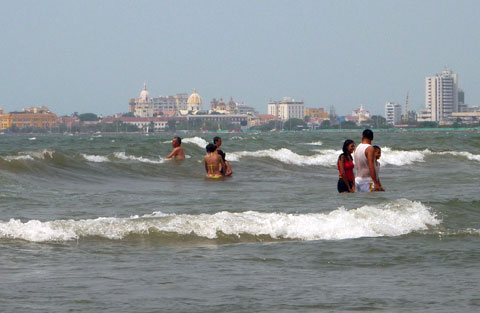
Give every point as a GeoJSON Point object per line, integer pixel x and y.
{"type": "Point", "coordinates": [364, 184]}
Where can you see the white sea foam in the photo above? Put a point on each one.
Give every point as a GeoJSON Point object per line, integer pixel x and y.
{"type": "Point", "coordinates": [401, 157]}
{"type": "Point", "coordinates": [285, 156]}
{"type": "Point", "coordinates": [390, 219]}
{"type": "Point", "coordinates": [465, 154]}
{"type": "Point", "coordinates": [329, 157]}
{"type": "Point", "coordinates": [95, 158]}
{"type": "Point", "coordinates": [202, 143]}
{"type": "Point", "coordinates": [316, 143]}
{"type": "Point", "coordinates": [123, 156]}
{"type": "Point", "coordinates": [17, 157]}
{"type": "Point", "coordinates": [32, 138]}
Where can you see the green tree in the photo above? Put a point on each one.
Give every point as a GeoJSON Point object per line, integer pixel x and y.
{"type": "Point", "coordinates": [348, 125]}
{"type": "Point", "coordinates": [172, 125]}
{"type": "Point", "coordinates": [379, 121]}
{"type": "Point", "coordinates": [294, 124]}
{"type": "Point", "coordinates": [325, 124]}
{"type": "Point", "coordinates": [88, 117]}
{"type": "Point", "coordinates": [427, 125]}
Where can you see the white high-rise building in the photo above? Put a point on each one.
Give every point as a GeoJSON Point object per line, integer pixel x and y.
{"type": "Point", "coordinates": [393, 113]}
{"type": "Point", "coordinates": [441, 97]}
{"type": "Point", "coordinates": [287, 108]}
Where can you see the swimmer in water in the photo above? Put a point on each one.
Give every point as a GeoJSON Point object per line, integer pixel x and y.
{"type": "Point", "coordinates": [177, 152]}
{"type": "Point", "coordinates": [226, 168]}
{"type": "Point", "coordinates": [378, 155]}
{"type": "Point", "coordinates": [213, 162]}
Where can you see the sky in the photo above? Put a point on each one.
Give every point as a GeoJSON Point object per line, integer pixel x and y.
{"type": "Point", "coordinates": [93, 56]}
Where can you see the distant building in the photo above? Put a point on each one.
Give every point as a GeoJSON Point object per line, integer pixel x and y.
{"type": "Point", "coordinates": [287, 108]}
{"type": "Point", "coordinates": [170, 103]}
{"type": "Point", "coordinates": [144, 104]}
{"type": "Point", "coordinates": [317, 114]}
{"type": "Point", "coordinates": [359, 115]}
{"type": "Point", "coordinates": [30, 117]}
{"type": "Point", "coordinates": [143, 123]}
{"type": "Point", "coordinates": [194, 103]}
{"type": "Point", "coordinates": [393, 113]}
{"type": "Point", "coordinates": [441, 97]}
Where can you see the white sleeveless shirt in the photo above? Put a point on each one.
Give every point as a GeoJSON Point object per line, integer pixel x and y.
{"type": "Point", "coordinates": [361, 161]}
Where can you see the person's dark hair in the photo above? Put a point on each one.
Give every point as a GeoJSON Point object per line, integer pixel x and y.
{"type": "Point", "coordinates": [222, 154]}
{"type": "Point", "coordinates": [345, 147]}
{"type": "Point", "coordinates": [211, 148]}
{"type": "Point", "coordinates": [377, 148]}
{"type": "Point", "coordinates": [179, 140]}
{"type": "Point", "coordinates": [216, 139]}
{"type": "Point", "coordinates": [367, 133]}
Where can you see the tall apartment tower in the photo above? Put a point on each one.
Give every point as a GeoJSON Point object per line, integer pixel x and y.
{"type": "Point", "coordinates": [393, 113]}
{"type": "Point", "coordinates": [441, 96]}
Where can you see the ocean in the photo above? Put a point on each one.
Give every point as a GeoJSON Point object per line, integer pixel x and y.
{"type": "Point", "coordinates": [103, 223]}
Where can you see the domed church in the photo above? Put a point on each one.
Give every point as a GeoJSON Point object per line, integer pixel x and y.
{"type": "Point", "coordinates": [194, 102]}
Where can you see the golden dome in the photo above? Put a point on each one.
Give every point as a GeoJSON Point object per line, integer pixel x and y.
{"type": "Point", "coordinates": [194, 98]}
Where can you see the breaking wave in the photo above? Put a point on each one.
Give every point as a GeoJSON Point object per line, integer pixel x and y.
{"type": "Point", "coordinates": [123, 156]}
{"type": "Point", "coordinates": [393, 218]}
{"type": "Point", "coordinates": [329, 157]}
{"type": "Point", "coordinates": [202, 143]}
{"type": "Point", "coordinates": [95, 158]}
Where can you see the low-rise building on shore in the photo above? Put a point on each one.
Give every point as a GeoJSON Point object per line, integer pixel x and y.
{"type": "Point", "coordinates": [33, 117]}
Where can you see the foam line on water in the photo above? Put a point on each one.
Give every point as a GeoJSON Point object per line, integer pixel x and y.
{"type": "Point", "coordinates": [392, 218]}
{"type": "Point", "coordinates": [123, 156]}
{"type": "Point", "coordinates": [95, 158]}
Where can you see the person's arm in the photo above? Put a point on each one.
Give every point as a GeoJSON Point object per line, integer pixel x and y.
{"type": "Point", "coordinates": [228, 169]}
{"type": "Point", "coordinates": [370, 152]}
{"type": "Point", "coordinates": [206, 167]}
{"type": "Point", "coordinates": [220, 163]}
{"type": "Point", "coordinates": [172, 154]}
{"type": "Point", "coordinates": [341, 165]}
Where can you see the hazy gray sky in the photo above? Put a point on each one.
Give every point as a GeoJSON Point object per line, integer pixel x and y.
{"type": "Point", "coordinates": [92, 56]}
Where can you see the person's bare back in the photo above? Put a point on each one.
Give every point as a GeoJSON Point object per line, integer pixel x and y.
{"type": "Point", "coordinates": [213, 162]}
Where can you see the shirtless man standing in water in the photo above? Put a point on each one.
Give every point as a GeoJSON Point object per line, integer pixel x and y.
{"type": "Point", "coordinates": [213, 162]}
{"type": "Point", "coordinates": [177, 151]}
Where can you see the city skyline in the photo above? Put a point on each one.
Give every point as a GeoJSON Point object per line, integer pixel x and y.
{"type": "Point", "coordinates": [93, 57]}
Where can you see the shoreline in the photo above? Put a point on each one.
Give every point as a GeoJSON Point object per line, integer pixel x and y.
{"type": "Point", "coordinates": [380, 130]}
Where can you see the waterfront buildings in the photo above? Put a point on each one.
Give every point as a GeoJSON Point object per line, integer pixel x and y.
{"type": "Point", "coordinates": [181, 103]}
{"type": "Point", "coordinates": [30, 117]}
{"type": "Point", "coordinates": [441, 97]}
{"type": "Point", "coordinates": [393, 113]}
{"type": "Point", "coordinates": [359, 115]}
{"type": "Point", "coordinates": [287, 108]}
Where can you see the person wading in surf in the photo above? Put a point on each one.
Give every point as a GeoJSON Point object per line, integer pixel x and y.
{"type": "Point", "coordinates": [177, 151]}
{"type": "Point", "coordinates": [364, 158]}
{"type": "Point", "coordinates": [226, 168]}
{"type": "Point", "coordinates": [213, 162]}
{"type": "Point", "coordinates": [346, 181]}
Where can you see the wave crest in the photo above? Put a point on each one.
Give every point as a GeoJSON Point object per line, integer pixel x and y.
{"type": "Point", "coordinates": [389, 219]}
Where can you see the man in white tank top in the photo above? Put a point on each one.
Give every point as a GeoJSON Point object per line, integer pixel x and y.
{"type": "Point", "coordinates": [364, 158]}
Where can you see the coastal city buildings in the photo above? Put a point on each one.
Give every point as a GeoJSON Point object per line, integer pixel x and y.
{"type": "Point", "coordinates": [287, 108]}
{"type": "Point", "coordinates": [29, 117]}
{"type": "Point", "coordinates": [359, 115]}
{"type": "Point", "coordinates": [393, 113]}
{"type": "Point", "coordinates": [441, 97]}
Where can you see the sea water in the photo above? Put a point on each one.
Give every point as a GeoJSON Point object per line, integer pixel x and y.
{"type": "Point", "coordinates": [107, 224]}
